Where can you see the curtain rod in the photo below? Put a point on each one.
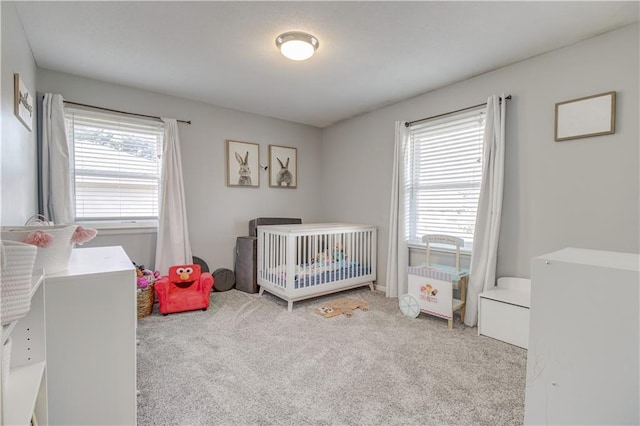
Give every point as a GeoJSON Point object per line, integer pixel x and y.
{"type": "Point", "coordinates": [122, 112]}
{"type": "Point", "coordinates": [409, 123]}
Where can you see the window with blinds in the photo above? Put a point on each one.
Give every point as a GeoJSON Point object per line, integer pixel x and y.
{"type": "Point", "coordinates": [116, 165]}
{"type": "Point", "coordinates": [444, 173]}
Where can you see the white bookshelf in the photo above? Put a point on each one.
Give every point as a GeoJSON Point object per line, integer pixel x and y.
{"type": "Point", "coordinates": [7, 329]}
{"type": "Point", "coordinates": [22, 393]}
{"type": "Point", "coordinates": [26, 389]}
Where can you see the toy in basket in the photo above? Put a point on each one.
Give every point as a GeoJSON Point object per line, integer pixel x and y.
{"type": "Point", "coordinates": [431, 286]}
{"type": "Point", "coordinates": [145, 279]}
{"type": "Point", "coordinates": [54, 242]}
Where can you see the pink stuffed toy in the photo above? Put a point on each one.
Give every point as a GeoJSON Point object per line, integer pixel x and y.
{"type": "Point", "coordinates": [40, 239]}
{"type": "Point", "coordinates": [82, 235]}
{"type": "Point", "coordinates": [145, 277]}
{"type": "Point", "coordinates": [142, 282]}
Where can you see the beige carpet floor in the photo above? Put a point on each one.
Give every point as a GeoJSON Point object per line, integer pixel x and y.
{"type": "Point", "coordinates": [248, 361]}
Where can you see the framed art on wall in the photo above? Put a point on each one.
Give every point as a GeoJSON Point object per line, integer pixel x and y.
{"type": "Point", "coordinates": [585, 117]}
{"type": "Point", "coordinates": [243, 160]}
{"type": "Point", "coordinates": [23, 102]}
{"type": "Point", "coordinates": [283, 167]}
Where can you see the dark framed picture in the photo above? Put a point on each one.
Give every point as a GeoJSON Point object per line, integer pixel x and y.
{"type": "Point", "coordinates": [283, 167]}
{"type": "Point", "coordinates": [243, 164]}
{"type": "Point", "coordinates": [585, 117]}
{"type": "Point", "coordinates": [23, 102]}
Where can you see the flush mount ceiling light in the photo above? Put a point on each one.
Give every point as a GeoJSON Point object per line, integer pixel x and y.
{"type": "Point", "coordinates": [296, 45]}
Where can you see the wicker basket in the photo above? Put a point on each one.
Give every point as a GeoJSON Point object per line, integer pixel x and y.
{"type": "Point", "coordinates": [54, 258]}
{"type": "Point", "coordinates": [15, 280]}
{"type": "Point", "coordinates": [145, 301]}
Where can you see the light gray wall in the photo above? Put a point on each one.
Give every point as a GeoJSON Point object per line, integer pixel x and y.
{"type": "Point", "coordinates": [580, 193]}
{"type": "Point", "coordinates": [18, 171]}
{"type": "Point", "coordinates": [217, 214]}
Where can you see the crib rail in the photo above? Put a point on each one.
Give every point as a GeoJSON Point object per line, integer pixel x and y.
{"type": "Point", "coordinates": [298, 260]}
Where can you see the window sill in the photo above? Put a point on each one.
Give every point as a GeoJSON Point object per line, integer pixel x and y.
{"type": "Point", "coordinates": [122, 228]}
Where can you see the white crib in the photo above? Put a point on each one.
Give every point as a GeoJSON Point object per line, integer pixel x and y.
{"type": "Point", "coordinates": [297, 262]}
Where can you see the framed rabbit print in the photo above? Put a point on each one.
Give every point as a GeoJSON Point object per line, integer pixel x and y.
{"type": "Point", "coordinates": [243, 164]}
{"type": "Point", "coordinates": [283, 167]}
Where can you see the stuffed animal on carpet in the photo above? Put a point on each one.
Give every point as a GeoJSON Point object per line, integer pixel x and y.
{"type": "Point", "coordinates": [342, 307]}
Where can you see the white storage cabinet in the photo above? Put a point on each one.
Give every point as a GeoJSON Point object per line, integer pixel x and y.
{"type": "Point", "coordinates": [503, 311]}
{"type": "Point", "coordinates": [583, 363]}
{"type": "Point", "coordinates": [91, 319]}
{"type": "Point", "coordinates": [26, 390]}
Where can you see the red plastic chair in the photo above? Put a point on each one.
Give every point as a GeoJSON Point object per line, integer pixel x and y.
{"type": "Point", "coordinates": [186, 288]}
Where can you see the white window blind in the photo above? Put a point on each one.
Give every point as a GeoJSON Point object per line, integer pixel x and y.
{"type": "Point", "coordinates": [444, 173]}
{"type": "Point", "coordinates": [116, 165]}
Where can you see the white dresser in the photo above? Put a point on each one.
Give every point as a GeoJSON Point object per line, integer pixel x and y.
{"type": "Point", "coordinates": [91, 319]}
{"type": "Point", "coordinates": [583, 358]}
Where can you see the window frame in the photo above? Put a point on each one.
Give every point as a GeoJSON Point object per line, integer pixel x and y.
{"type": "Point", "coordinates": [116, 224]}
{"type": "Point", "coordinates": [413, 188]}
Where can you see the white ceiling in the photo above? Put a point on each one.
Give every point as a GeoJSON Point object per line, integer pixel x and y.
{"type": "Point", "coordinates": [371, 54]}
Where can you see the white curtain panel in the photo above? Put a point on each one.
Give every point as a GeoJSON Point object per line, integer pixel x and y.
{"type": "Point", "coordinates": [56, 192]}
{"type": "Point", "coordinates": [173, 246]}
{"type": "Point", "coordinates": [487, 231]}
{"type": "Point", "coordinates": [398, 253]}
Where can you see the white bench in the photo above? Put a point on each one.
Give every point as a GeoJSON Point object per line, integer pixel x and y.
{"type": "Point", "coordinates": [503, 311]}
